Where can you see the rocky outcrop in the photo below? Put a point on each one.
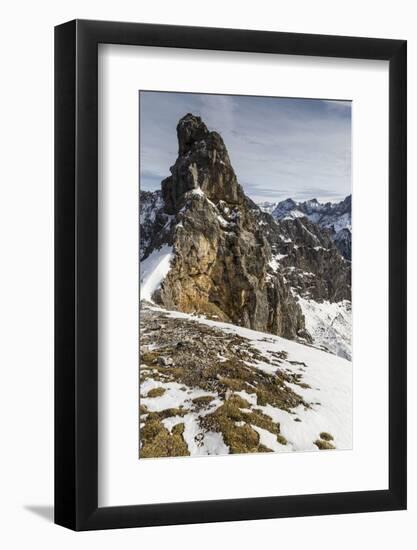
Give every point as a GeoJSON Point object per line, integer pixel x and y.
{"type": "Point", "coordinates": [307, 257]}
{"type": "Point", "coordinates": [221, 265]}
{"type": "Point", "coordinates": [343, 241]}
{"type": "Point", "coordinates": [154, 226]}
{"type": "Point", "coordinates": [311, 262]}
{"type": "Point", "coordinates": [203, 166]}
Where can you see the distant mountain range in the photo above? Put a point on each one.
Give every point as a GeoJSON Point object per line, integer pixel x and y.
{"type": "Point", "coordinates": [336, 217]}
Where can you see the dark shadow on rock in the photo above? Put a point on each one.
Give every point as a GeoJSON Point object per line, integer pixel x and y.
{"type": "Point", "coordinates": [45, 512]}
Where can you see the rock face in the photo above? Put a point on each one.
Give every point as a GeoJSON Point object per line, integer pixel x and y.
{"type": "Point", "coordinates": [335, 217]}
{"type": "Point", "coordinates": [232, 261]}
{"type": "Point", "coordinates": [343, 241]}
{"type": "Point", "coordinates": [154, 223]}
{"type": "Point", "coordinates": [221, 257]}
{"type": "Point", "coordinates": [203, 165]}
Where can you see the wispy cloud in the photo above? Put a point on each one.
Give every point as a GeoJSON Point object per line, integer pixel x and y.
{"type": "Point", "coordinates": [279, 147]}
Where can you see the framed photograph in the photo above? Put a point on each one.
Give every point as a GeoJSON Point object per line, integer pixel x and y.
{"type": "Point", "coordinates": [230, 253]}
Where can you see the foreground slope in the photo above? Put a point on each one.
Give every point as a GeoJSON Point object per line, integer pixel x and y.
{"type": "Point", "coordinates": [212, 388]}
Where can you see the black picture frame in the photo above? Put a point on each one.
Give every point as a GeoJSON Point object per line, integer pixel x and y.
{"type": "Point", "coordinates": [76, 272]}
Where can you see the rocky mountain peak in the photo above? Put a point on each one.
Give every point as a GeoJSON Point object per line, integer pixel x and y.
{"type": "Point", "coordinates": [346, 204]}
{"type": "Point", "coordinates": [190, 129]}
{"type": "Point", "coordinates": [289, 203]}
{"type": "Point", "coordinates": [202, 166]}
{"type": "Point", "coordinates": [283, 208]}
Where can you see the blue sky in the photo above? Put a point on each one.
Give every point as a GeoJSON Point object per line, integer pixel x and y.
{"type": "Point", "coordinates": [279, 147]}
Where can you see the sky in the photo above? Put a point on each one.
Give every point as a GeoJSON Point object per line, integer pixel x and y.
{"type": "Point", "coordinates": [278, 147]}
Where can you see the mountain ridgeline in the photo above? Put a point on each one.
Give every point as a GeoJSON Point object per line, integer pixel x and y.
{"type": "Point", "coordinates": [335, 217]}
{"type": "Point", "coordinates": [231, 260]}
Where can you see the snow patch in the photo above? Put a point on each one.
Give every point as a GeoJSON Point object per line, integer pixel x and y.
{"type": "Point", "coordinates": [222, 221]}
{"type": "Point", "coordinates": [294, 214]}
{"type": "Point", "coordinates": [270, 440]}
{"type": "Point", "coordinates": [153, 271]}
{"type": "Point", "coordinates": [202, 443]}
{"type": "Point", "coordinates": [274, 262]}
{"type": "Point", "coordinates": [198, 191]}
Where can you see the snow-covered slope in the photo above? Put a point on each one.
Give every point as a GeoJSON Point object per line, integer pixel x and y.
{"type": "Point", "coordinates": [321, 381]}
{"type": "Point", "coordinates": [287, 209]}
{"type": "Point", "coordinates": [267, 206]}
{"type": "Point", "coordinates": [153, 270]}
{"type": "Point", "coordinates": [330, 325]}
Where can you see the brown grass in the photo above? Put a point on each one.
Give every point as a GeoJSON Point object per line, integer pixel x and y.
{"type": "Point", "coordinates": [156, 392]}
{"type": "Point", "coordinates": [324, 445]}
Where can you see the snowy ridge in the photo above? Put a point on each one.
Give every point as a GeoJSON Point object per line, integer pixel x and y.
{"type": "Point", "coordinates": [267, 206]}
{"type": "Point", "coordinates": [334, 216]}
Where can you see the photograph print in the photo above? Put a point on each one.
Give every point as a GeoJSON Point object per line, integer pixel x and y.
{"type": "Point", "coordinates": [245, 275]}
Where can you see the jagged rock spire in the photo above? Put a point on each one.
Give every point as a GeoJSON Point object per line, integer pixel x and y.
{"type": "Point", "coordinates": [203, 164]}
{"type": "Point", "coordinates": [190, 129]}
